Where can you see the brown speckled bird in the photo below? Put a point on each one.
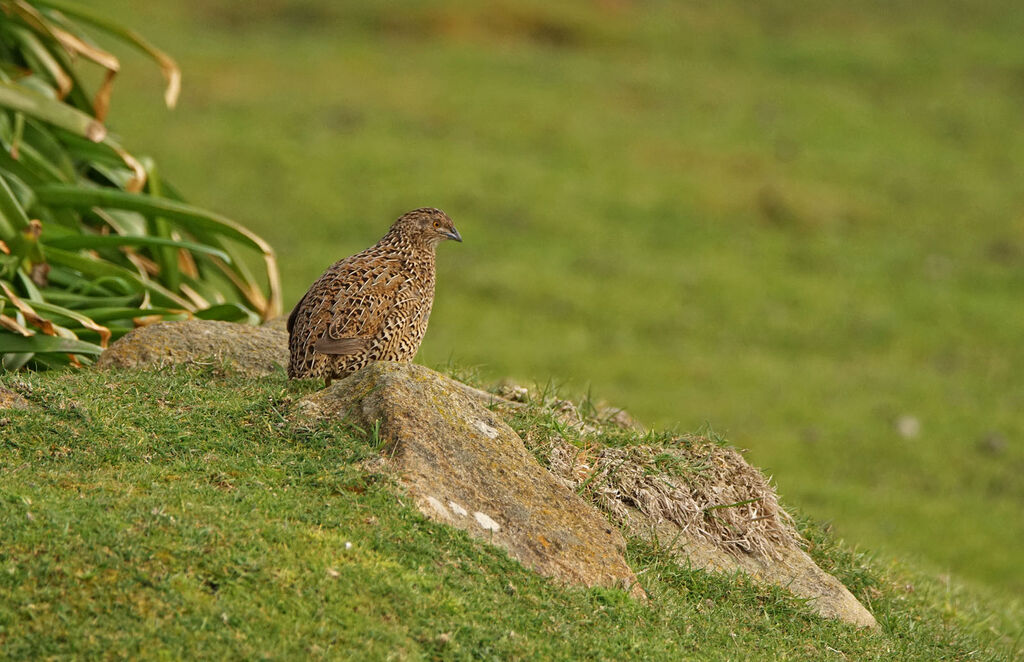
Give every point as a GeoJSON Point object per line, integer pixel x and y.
{"type": "Point", "coordinates": [372, 306]}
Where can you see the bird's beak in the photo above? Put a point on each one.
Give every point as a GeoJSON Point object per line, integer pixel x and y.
{"type": "Point", "coordinates": [454, 234]}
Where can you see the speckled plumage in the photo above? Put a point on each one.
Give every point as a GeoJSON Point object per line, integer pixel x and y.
{"type": "Point", "coordinates": [372, 306]}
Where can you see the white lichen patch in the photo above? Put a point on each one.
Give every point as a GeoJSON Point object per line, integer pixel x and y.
{"type": "Point", "coordinates": [457, 509]}
{"type": "Point", "coordinates": [489, 431]}
{"type": "Point", "coordinates": [486, 522]}
{"type": "Point", "coordinates": [438, 507]}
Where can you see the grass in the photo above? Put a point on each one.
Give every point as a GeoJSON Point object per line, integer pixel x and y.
{"type": "Point", "coordinates": [181, 515]}
{"type": "Point", "coordinates": [798, 222]}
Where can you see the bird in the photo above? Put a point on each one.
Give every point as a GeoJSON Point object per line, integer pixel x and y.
{"type": "Point", "coordinates": [371, 306]}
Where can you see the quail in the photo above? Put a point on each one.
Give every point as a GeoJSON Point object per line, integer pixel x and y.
{"type": "Point", "coordinates": [371, 306]}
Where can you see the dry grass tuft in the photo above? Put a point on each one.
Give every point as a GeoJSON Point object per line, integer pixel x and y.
{"type": "Point", "coordinates": [707, 490]}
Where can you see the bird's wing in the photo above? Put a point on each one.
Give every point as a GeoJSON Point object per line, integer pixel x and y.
{"type": "Point", "coordinates": [341, 346]}
{"type": "Point", "coordinates": [295, 313]}
{"type": "Point", "coordinates": [365, 296]}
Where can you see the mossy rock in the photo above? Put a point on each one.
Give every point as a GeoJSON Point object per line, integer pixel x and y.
{"type": "Point", "coordinates": [251, 351]}
{"type": "Point", "coordinates": [466, 467]}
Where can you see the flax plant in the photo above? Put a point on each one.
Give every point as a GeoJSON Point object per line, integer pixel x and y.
{"type": "Point", "coordinates": [93, 240]}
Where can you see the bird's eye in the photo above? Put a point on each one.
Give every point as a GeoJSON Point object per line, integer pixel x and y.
{"type": "Point", "coordinates": [437, 224]}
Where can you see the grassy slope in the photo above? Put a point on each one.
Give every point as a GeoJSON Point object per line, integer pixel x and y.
{"type": "Point", "coordinates": [797, 222]}
{"type": "Point", "coordinates": [180, 516]}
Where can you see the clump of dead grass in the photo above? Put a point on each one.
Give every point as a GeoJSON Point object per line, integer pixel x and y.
{"type": "Point", "coordinates": [694, 482]}
{"type": "Point", "coordinates": [706, 490]}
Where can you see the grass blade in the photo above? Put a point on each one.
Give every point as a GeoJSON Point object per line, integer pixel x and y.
{"type": "Point", "coordinates": [190, 217]}
{"type": "Point", "coordinates": [166, 257]}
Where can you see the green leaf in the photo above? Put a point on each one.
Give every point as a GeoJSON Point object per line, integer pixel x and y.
{"type": "Point", "coordinates": [34, 104]}
{"type": "Point", "coordinates": [85, 302]}
{"type": "Point", "coordinates": [39, 57]}
{"type": "Point", "coordinates": [12, 217]}
{"type": "Point", "coordinates": [187, 216]}
{"type": "Point", "coordinates": [167, 65]}
{"type": "Point", "coordinates": [165, 257]}
{"type": "Point", "coordinates": [14, 361]}
{"type": "Point", "coordinates": [92, 267]}
{"type": "Point", "coordinates": [228, 312]}
{"type": "Point", "coordinates": [14, 343]}
{"type": "Point", "coordinates": [108, 240]}
{"type": "Point", "coordinates": [102, 315]}
{"type": "Point", "coordinates": [83, 320]}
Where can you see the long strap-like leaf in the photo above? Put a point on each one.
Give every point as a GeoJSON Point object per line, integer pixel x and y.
{"type": "Point", "coordinates": [34, 104]}
{"type": "Point", "coordinates": [167, 65]}
{"type": "Point", "coordinates": [189, 217]}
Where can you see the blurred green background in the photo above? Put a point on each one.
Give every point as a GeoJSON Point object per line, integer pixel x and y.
{"type": "Point", "coordinates": [800, 222]}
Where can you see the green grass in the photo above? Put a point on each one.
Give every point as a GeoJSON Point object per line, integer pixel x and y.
{"type": "Point", "coordinates": [182, 516]}
{"type": "Point", "coordinates": [798, 222]}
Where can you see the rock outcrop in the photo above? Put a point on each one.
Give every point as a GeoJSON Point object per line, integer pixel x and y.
{"type": "Point", "coordinates": [251, 351]}
{"type": "Point", "coordinates": [465, 467]}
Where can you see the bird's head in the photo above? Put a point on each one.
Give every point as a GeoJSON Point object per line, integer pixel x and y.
{"type": "Point", "coordinates": [427, 226]}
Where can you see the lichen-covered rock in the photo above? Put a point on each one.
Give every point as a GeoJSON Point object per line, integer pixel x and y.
{"type": "Point", "coordinates": [11, 400]}
{"type": "Point", "coordinates": [252, 351]}
{"type": "Point", "coordinates": [465, 467]}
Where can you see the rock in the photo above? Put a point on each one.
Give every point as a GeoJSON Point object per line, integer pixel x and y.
{"type": "Point", "coordinates": [791, 568]}
{"type": "Point", "coordinates": [11, 400]}
{"type": "Point", "coordinates": [280, 323]}
{"type": "Point", "coordinates": [713, 510]}
{"type": "Point", "coordinates": [465, 467]}
{"type": "Point", "coordinates": [251, 351]}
